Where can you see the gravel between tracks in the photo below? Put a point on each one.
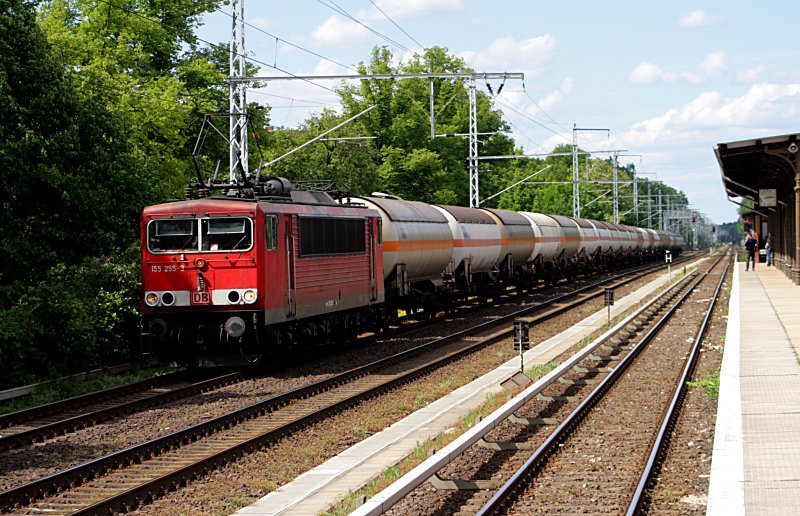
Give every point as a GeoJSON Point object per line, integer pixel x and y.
{"type": "Point", "coordinates": [682, 487]}
{"type": "Point", "coordinates": [242, 482]}
{"type": "Point", "coordinates": [594, 451]}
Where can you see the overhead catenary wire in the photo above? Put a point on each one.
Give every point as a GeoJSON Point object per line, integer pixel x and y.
{"type": "Point", "coordinates": [215, 45]}
{"type": "Point", "coordinates": [396, 25]}
{"type": "Point", "coordinates": [333, 6]}
{"type": "Point", "coordinates": [279, 39]}
{"type": "Point", "coordinates": [540, 108]}
{"type": "Point", "coordinates": [527, 116]}
{"type": "Point", "coordinates": [321, 104]}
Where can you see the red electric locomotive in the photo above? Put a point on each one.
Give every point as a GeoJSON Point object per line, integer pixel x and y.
{"type": "Point", "coordinates": [227, 278]}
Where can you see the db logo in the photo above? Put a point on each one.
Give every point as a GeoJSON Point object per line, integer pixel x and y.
{"type": "Point", "coordinates": [201, 298]}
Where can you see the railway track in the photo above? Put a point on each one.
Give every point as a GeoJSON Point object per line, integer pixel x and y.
{"type": "Point", "coordinates": [472, 479]}
{"type": "Point", "coordinates": [45, 422]}
{"type": "Point", "coordinates": [127, 478]}
{"type": "Point", "coordinates": [643, 393]}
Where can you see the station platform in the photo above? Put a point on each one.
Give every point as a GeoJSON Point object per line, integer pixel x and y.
{"type": "Point", "coordinates": [755, 466]}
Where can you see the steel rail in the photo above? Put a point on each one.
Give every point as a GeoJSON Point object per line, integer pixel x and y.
{"type": "Point", "coordinates": [132, 497]}
{"type": "Point", "coordinates": [508, 492]}
{"type": "Point", "coordinates": [21, 416]}
{"type": "Point", "coordinates": [384, 500]}
{"type": "Point", "coordinates": [641, 498]}
{"type": "Point", "coordinates": [70, 424]}
{"type": "Point", "coordinates": [138, 453]}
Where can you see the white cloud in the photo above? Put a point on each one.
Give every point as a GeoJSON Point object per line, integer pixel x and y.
{"type": "Point", "coordinates": [750, 75]}
{"type": "Point", "coordinates": [294, 101]}
{"type": "Point", "coordinates": [554, 98]}
{"type": "Point", "coordinates": [697, 18]}
{"type": "Point", "coordinates": [337, 31]}
{"type": "Point", "coordinates": [650, 72]}
{"type": "Point", "coordinates": [712, 66]}
{"type": "Point", "coordinates": [711, 116]}
{"type": "Point", "coordinates": [506, 54]}
{"type": "Point", "coordinates": [401, 9]}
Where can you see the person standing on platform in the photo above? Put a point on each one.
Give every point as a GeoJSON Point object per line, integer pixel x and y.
{"type": "Point", "coordinates": [750, 245]}
{"type": "Point", "coordinates": [758, 246]}
{"type": "Point", "coordinates": [768, 247]}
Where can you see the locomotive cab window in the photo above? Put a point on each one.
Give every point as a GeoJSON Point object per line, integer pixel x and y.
{"type": "Point", "coordinates": [226, 234]}
{"type": "Point", "coordinates": [195, 235]}
{"type": "Point", "coordinates": [173, 235]}
{"type": "Point", "coordinates": [328, 235]}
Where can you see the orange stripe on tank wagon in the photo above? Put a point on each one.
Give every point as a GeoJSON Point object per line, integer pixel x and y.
{"type": "Point", "coordinates": [397, 246]}
{"type": "Point", "coordinates": [475, 243]}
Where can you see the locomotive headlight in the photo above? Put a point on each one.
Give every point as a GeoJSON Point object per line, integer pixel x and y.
{"type": "Point", "coordinates": [167, 298]}
{"type": "Point", "coordinates": [151, 299]}
{"type": "Point", "coordinates": [250, 296]}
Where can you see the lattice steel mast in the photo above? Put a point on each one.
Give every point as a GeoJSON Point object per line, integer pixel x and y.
{"type": "Point", "coordinates": [238, 94]}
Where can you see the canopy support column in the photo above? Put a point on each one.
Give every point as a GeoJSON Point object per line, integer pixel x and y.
{"type": "Point", "coordinates": [796, 264]}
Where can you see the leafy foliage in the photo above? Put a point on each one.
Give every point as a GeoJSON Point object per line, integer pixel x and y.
{"type": "Point", "coordinates": [76, 318]}
{"type": "Point", "coordinates": [93, 126]}
{"type": "Point", "coordinates": [101, 102]}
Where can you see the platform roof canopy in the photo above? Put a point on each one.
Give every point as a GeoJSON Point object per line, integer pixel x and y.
{"type": "Point", "coordinates": [750, 165]}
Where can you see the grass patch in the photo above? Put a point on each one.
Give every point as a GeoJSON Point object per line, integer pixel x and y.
{"type": "Point", "coordinates": [710, 384]}
{"type": "Point", "coordinates": [58, 390]}
{"type": "Point", "coordinates": [538, 371]}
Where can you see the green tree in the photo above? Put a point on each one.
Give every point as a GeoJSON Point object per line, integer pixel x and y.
{"type": "Point", "coordinates": [401, 125]}
{"type": "Point", "coordinates": [128, 58]}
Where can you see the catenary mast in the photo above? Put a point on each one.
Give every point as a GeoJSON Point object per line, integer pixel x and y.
{"type": "Point", "coordinates": [238, 94]}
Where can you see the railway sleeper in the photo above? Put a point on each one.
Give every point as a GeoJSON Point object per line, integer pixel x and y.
{"type": "Point", "coordinates": [603, 358]}
{"type": "Point", "coordinates": [506, 445]}
{"type": "Point", "coordinates": [589, 381]}
{"type": "Point", "coordinates": [617, 342]}
{"type": "Point", "coordinates": [532, 421]}
{"type": "Point", "coordinates": [457, 484]}
{"type": "Point", "coordinates": [579, 369]}
{"type": "Point", "coordinates": [542, 397]}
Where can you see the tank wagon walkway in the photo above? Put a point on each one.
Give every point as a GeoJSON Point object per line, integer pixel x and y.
{"type": "Point", "coordinates": [756, 462]}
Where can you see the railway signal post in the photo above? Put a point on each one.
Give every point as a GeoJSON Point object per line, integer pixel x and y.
{"type": "Point", "coordinates": [522, 342]}
{"type": "Point", "coordinates": [609, 301]}
{"type": "Point", "coordinates": [668, 260]}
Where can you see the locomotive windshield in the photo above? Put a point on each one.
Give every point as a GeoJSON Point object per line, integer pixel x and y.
{"type": "Point", "coordinates": [213, 234]}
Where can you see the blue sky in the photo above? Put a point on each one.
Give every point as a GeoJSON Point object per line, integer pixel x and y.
{"type": "Point", "coordinates": [669, 79]}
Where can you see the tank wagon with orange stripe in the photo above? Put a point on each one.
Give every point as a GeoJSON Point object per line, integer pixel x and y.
{"type": "Point", "coordinates": [232, 279]}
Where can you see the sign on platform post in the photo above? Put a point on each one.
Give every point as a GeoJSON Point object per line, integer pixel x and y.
{"type": "Point", "coordinates": [522, 342]}
{"type": "Point", "coordinates": [609, 301]}
{"type": "Point", "coordinates": [767, 197]}
{"type": "Point", "coordinates": [668, 260]}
